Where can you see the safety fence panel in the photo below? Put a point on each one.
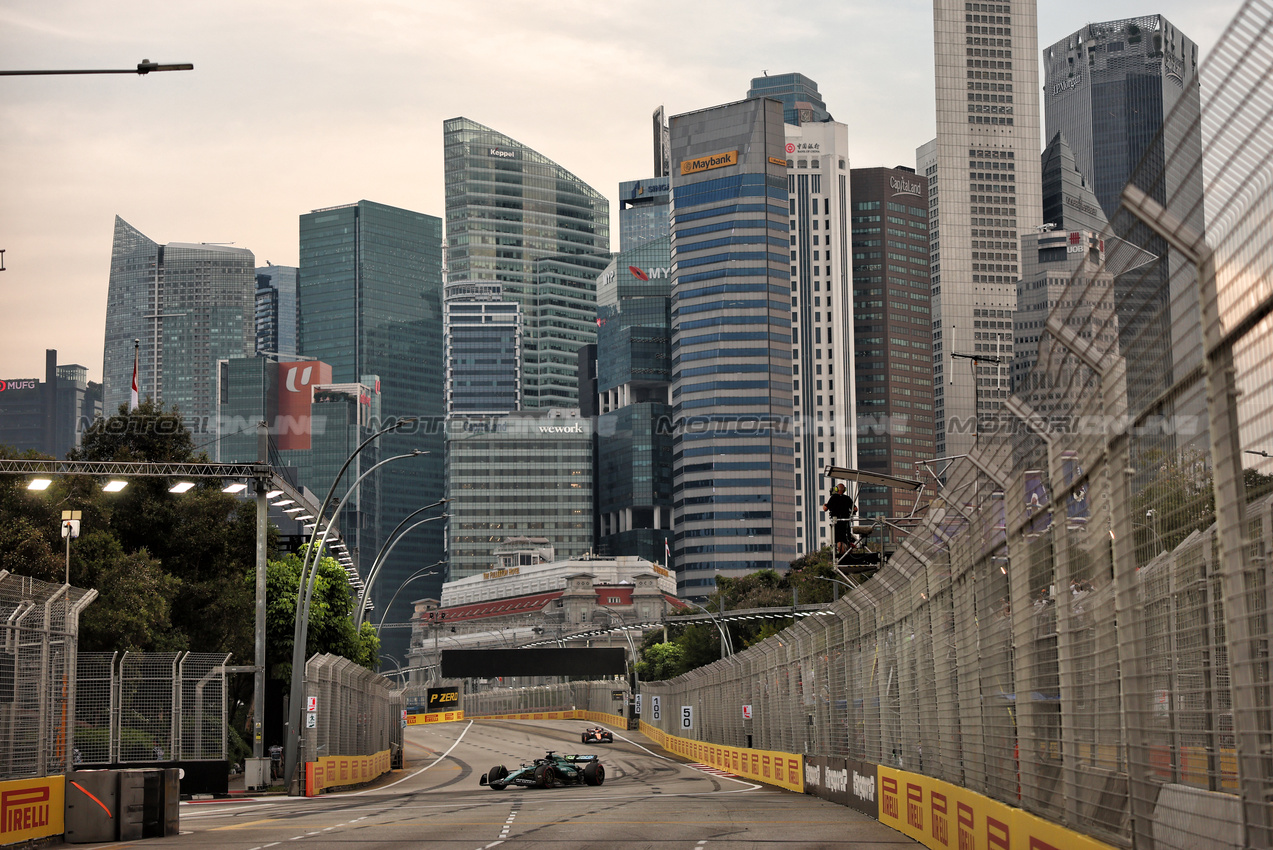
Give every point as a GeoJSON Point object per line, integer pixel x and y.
{"type": "Point", "coordinates": [37, 674]}
{"type": "Point", "coordinates": [350, 711]}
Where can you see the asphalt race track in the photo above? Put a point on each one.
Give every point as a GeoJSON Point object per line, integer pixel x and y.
{"type": "Point", "coordinates": [649, 800]}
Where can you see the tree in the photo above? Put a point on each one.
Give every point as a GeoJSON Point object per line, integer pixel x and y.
{"type": "Point", "coordinates": [661, 661]}
{"type": "Point", "coordinates": [331, 627]}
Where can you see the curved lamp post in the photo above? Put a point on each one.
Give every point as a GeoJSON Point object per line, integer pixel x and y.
{"type": "Point", "coordinates": [304, 594]}
{"type": "Point", "coordinates": [725, 647]}
{"type": "Point", "coordinates": [390, 542]}
{"type": "Point", "coordinates": [420, 573]}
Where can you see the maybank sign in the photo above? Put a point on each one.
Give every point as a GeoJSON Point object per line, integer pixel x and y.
{"type": "Point", "coordinates": [707, 163]}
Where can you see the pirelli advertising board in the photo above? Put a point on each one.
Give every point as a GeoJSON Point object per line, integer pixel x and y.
{"type": "Point", "coordinates": [31, 809]}
{"type": "Point", "coordinates": [443, 699]}
{"type": "Point", "coordinates": [707, 162]}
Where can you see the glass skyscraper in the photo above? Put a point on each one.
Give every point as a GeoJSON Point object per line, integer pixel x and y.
{"type": "Point", "coordinates": [801, 102]}
{"type": "Point", "coordinates": [189, 305]}
{"type": "Point", "coordinates": [1107, 89]}
{"type": "Point", "coordinates": [276, 310]}
{"type": "Point", "coordinates": [516, 218]}
{"type": "Point", "coordinates": [483, 350]}
{"type": "Point", "coordinates": [733, 452]}
{"type": "Point", "coordinates": [370, 289]}
{"type": "Point", "coordinates": [523, 474]}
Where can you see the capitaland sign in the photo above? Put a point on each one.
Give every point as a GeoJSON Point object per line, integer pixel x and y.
{"type": "Point", "coordinates": [902, 186]}
{"type": "Point", "coordinates": [708, 162]}
{"type": "Point", "coordinates": [19, 384]}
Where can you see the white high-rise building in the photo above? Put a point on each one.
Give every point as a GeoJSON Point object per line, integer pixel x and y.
{"type": "Point", "coordinates": [987, 157]}
{"type": "Point", "coordinates": [821, 318]}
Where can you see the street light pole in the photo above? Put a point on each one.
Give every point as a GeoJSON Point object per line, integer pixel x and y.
{"type": "Point", "coordinates": [725, 648]}
{"type": "Point", "coordinates": [636, 677]}
{"type": "Point", "coordinates": [383, 555]}
{"type": "Point", "coordinates": [301, 632]}
{"type": "Point", "coordinates": [421, 573]}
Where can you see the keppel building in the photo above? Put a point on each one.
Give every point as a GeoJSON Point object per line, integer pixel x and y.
{"type": "Point", "coordinates": [517, 219]}
{"type": "Point", "coordinates": [986, 163]}
{"type": "Point", "coordinates": [733, 450]}
{"type": "Point", "coordinates": [370, 289]}
{"type": "Point", "coordinates": [189, 306]}
{"type": "Point", "coordinates": [892, 323]}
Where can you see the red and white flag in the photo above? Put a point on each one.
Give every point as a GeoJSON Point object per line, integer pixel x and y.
{"type": "Point", "coordinates": [667, 553]}
{"type": "Point", "coordinates": [132, 399]}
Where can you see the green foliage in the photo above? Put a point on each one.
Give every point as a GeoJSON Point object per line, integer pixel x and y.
{"type": "Point", "coordinates": [331, 628]}
{"type": "Point", "coordinates": [661, 661]}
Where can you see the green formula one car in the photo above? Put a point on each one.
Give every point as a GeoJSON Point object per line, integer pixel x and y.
{"type": "Point", "coordinates": [547, 772]}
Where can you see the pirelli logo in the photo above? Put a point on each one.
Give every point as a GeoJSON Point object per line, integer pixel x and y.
{"type": "Point", "coordinates": [707, 163]}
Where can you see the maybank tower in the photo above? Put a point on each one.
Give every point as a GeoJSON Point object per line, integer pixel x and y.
{"type": "Point", "coordinates": [733, 451]}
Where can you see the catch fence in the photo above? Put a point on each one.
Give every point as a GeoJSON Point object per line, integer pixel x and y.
{"type": "Point", "coordinates": [133, 707]}
{"type": "Point", "coordinates": [597, 696]}
{"type": "Point", "coordinates": [1080, 624]}
{"type": "Point", "coordinates": [355, 712]}
{"type": "Point", "coordinates": [37, 681]}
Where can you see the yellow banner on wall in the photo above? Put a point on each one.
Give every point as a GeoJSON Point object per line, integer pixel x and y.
{"type": "Point", "coordinates": [785, 770]}
{"type": "Point", "coordinates": [944, 816]}
{"type": "Point", "coordinates": [334, 771]}
{"type": "Point", "coordinates": [32, 808]}
{"type": "Point", "coordinates": [434, 717]}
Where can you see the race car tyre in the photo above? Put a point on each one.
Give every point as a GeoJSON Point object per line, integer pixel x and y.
{"type": "Point", "coordinates": [594, 773]}
{"type": "Point", "coordinates": [584, 738]}
{"type": "Point", "coordinates": [496, 773]}
{"type": "Point", "coordinates": [544, 776]}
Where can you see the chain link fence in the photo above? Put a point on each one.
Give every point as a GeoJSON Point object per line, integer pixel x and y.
{"type": "Point", "coordinates": [564, 696]}
{"type": "Point", "coordinates": [147, 707]}
{"type": "Point", "coordinates": [37, 681]}
{"type": "Point", "coordinates": [355, 712]}
{"type": "Point", "coordinates": [1080, 624]}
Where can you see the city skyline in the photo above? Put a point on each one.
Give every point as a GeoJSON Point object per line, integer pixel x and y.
{"type": "Point", "coordinates": [286, 124]}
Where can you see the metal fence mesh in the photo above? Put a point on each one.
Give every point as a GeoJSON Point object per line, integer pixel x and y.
{"type": "Point", "coordinates": [37, 681]}
{"type": "Point", "coordinates": [1080, 625]}
{"type": "Point", "coordinates": [356, 711]}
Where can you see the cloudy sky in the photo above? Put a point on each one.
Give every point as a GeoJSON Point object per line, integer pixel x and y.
{"type": "Point", "coordinates": [298, 105]}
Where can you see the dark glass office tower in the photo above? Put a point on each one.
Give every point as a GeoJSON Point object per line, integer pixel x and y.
{"type": "Point", "coordinates": [276, 313]}
{"type": "Point", "coordinates": [516, 218]}
{"type": "Point", "coordinates": [733, 452]}
{"type": "Point", "coordinates": [634, 374]}
{"type": "Point", "coordinates": [801, 102]}
{"type": "Point", "coordinates": [189, 305]}
{"type": "Point", "coordinates": [48, 416]}
{"type": "Point", "coordinates": [370, 289]}
{"type": "Point", "coordinates": [1107, 89]}
{"type": "Point", "coordinates": [483, 350]}
{"type": "Point", "coordinates": [893, 329]}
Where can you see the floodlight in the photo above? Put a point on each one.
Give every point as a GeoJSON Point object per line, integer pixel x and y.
{"type": "Point", "coordinates": [115, 486]}
{"type": "Point", "coordinates": [39, 483]}
{"type": "Point", "coordinates": [181, 487]}
{"type": "Point", "coordinates": [234, 488]}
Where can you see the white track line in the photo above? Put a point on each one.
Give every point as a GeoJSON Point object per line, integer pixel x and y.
{"type": "Point", "coordinates": [415, 773]}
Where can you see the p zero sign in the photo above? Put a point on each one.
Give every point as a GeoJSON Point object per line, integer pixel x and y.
{"type": "Point", "coordinates": [443, 699]}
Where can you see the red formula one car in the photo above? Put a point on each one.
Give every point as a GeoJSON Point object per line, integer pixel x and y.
{"type": "Point", "coordinates": [597, 735]}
